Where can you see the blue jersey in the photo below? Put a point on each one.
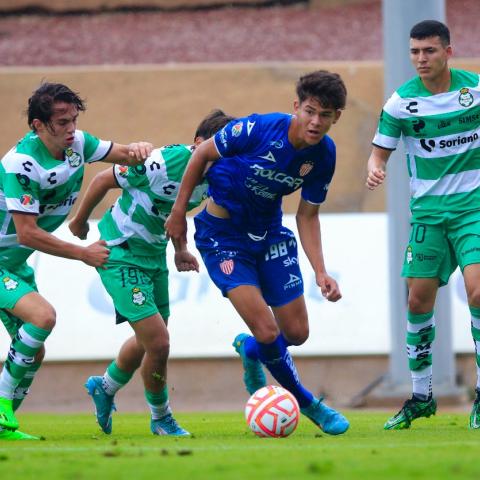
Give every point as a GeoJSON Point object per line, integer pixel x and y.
{"type": "Point", "coordinates": [259, 165]}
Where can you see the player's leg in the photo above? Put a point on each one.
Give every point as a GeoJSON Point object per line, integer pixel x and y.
{"type": "Point", "coordinates": [471, 275]}
{"type": "Point", "coordinates": [103, 388]}
{"type": "Point", "coordinates": [23, 388]}
{"type": "Point", "coordinates": [152, 334]}
{"type": "Point", "coordinates": [38, 318]}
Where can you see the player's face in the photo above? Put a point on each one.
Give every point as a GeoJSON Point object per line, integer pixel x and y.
{"type": "Point", "coordinates": [429, 57]}
{"type": "Point", "coordinates": [59, 132]}
{"type": "Point", "coordinates": [313, 121]}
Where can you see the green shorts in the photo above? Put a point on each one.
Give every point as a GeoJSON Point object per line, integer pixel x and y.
{"type": "Point", "coordinates": [435, 250]}
{"type": "Point", "coordinates": [137, 284]}
{"type": "Point", "coordinates": [14, 284]}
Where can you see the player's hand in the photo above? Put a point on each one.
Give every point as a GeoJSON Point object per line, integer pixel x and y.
{"type": "Point", "coordinates": [176, 228]}
{"type": "Point", "coordinates": [186, 262]}
{"type": "Point", "coordinates": [329, 287]}
{"type": "Point", "coordinates": [96, 254]}
{"type": "Point", "coordinates": [79, 229]}
{"type": "Point", "coordinates": [375, 177]}
{"type": "Point", "coordinates": [139, 151]}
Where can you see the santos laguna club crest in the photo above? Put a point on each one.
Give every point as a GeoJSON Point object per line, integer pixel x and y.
{"type": "Point", "coordinates": [138, 297]}
{"type": "Point", "coordinates": [465, 98]}
{"type": "Point", "coordinates": [227, 266]}
{"type": "Point", "coordinates": [306, 168]}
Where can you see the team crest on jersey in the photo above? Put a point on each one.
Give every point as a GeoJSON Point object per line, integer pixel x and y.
{"type": "Point", "coordinates": [26, 200]}
{"type": "Point", "coordinates": [138, 297]}
{"type": "Point", "coordinates": [237, 129]}
{"type": "Point", "coordinates": [74, 159]}
{"type": "Point", "coordinates": [227, 266]}
{"type": "Point", "coordinates": [9, 283]}
{"type": "Point", "coordinates": [123, 171]}
{"type": "Point", "coordinates": [465, 98]}
{"type": "Point", "coordinates": [306, 168]}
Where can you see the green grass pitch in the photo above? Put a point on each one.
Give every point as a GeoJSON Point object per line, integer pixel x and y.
{"type": "Point", "coordinates": [222, 447]}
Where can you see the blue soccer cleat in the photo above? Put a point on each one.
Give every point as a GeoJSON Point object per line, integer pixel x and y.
{"type": "Point", "coordinates": [329, 420]}
{"type": "Point", "coordinates": [104, 405]}
{"type": "Point", "coordinates": [167, 425]}
{"type": "Point", "coordinates": [253, 374]}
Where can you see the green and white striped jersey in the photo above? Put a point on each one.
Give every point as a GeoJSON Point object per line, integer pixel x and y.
{"type": "Point", "coordinates": [148, 194]}
{"type": "Point", "coordinates": [33, 182]}
{"type": "Point", "coordinates": [442, 140]}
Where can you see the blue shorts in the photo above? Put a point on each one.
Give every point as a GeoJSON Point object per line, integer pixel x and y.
{"type": "Point", "coordinates": [234, 258]}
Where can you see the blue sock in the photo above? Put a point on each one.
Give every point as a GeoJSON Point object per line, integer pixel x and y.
{"type": "Point", "coordinates": [251, 346]}
{"type": "Point", "coordinates": [277, 359]}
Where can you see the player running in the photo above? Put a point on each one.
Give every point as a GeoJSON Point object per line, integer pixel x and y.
{"type": "Point", "coordinates": [137, 276]}
{"type": "Point", "coordinates": [39, 182]}
{"type": "Point", "coordinates": [249, 255]}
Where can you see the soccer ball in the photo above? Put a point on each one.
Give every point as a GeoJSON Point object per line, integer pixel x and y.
{"type": "Point", "coordinates": [272, 412]}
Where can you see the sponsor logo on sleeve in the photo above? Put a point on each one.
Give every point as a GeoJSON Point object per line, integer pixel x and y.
{"type": "Point", "coordinates": [237, 129]}
{"type": "Point", "coordinates": [123, 170]}
{"type": "Point", "coordinates": [27, 200]}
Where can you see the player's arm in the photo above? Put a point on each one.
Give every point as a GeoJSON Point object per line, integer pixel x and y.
{"type": "Point", "coordinates": [176, 223]}
{"type": "Point", "coordinates": [97, 189]}
{"type": "Point", "coordinates": [376, 167]}
{"type": "Point", "coordinates": [131, 154]}
{"type": "Point", "coordinates": [308, 225]}
{"type": "Point", "coordinates": [31, 235]}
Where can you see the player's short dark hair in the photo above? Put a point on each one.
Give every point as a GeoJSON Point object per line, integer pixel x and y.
{"type": "Point", "coordinates": [41, 103]}
{"type": "Point", "coordinates": [431, 28]}
{"type": "Point", "coordinates": [212, 123]}
{"type": "Point", "coordinates": [326, 87]}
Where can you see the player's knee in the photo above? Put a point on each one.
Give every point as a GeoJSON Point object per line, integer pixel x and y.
{"type": "Point", "coordinates": [265, 333]}
{"type": "Point", "coordinates": [159, 347]}
{"type": "Point", "coordinates": [45, 317]}
{"type": "Point", "coordinates": [298, 337]}
{"type": "Point", "coordinates": [418, 303]}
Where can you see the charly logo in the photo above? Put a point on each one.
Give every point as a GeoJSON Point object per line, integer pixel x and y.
{"type": "Point", "coordinates": [465, 99]}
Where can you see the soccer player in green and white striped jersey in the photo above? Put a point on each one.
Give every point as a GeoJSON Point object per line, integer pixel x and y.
{"type": "Point", "coordinates": [438, 115]}
{"type": "Point", "coordinates": [137, 276]}
{"type": "Point", "coordinates": [40, 179]}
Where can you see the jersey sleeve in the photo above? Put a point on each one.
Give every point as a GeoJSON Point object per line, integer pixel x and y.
{"type": "Point", "coordinates": [315, 189]}
{"type": "Point", "coordinates": [95, 149]}
{"type": "Point", "coordinates": [130, 177]}
{"type": "Point", "coordinates": [389, 128]}
{"type": "Point", "coordinates": [21, 184]}
{"type": "Point", "coordinates": [237, 136]}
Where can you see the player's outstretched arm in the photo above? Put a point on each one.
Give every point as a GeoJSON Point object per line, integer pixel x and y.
{"type": "Point", "coordinates": [34, 237]}
{"type": "Point", "coordinates": [176, 223]}
{"type": "Point", "coordinates": [309, 231]}
{"type": "Point", "coordinates": [376, 166]}
{"type": "Point", "coordinates": [131, 154]}
{"type": "Point", "coordinates": [97, 189]}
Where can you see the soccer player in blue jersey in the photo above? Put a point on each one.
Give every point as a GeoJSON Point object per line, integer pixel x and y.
{"type": "Point", "coordinates": [249, 254]}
